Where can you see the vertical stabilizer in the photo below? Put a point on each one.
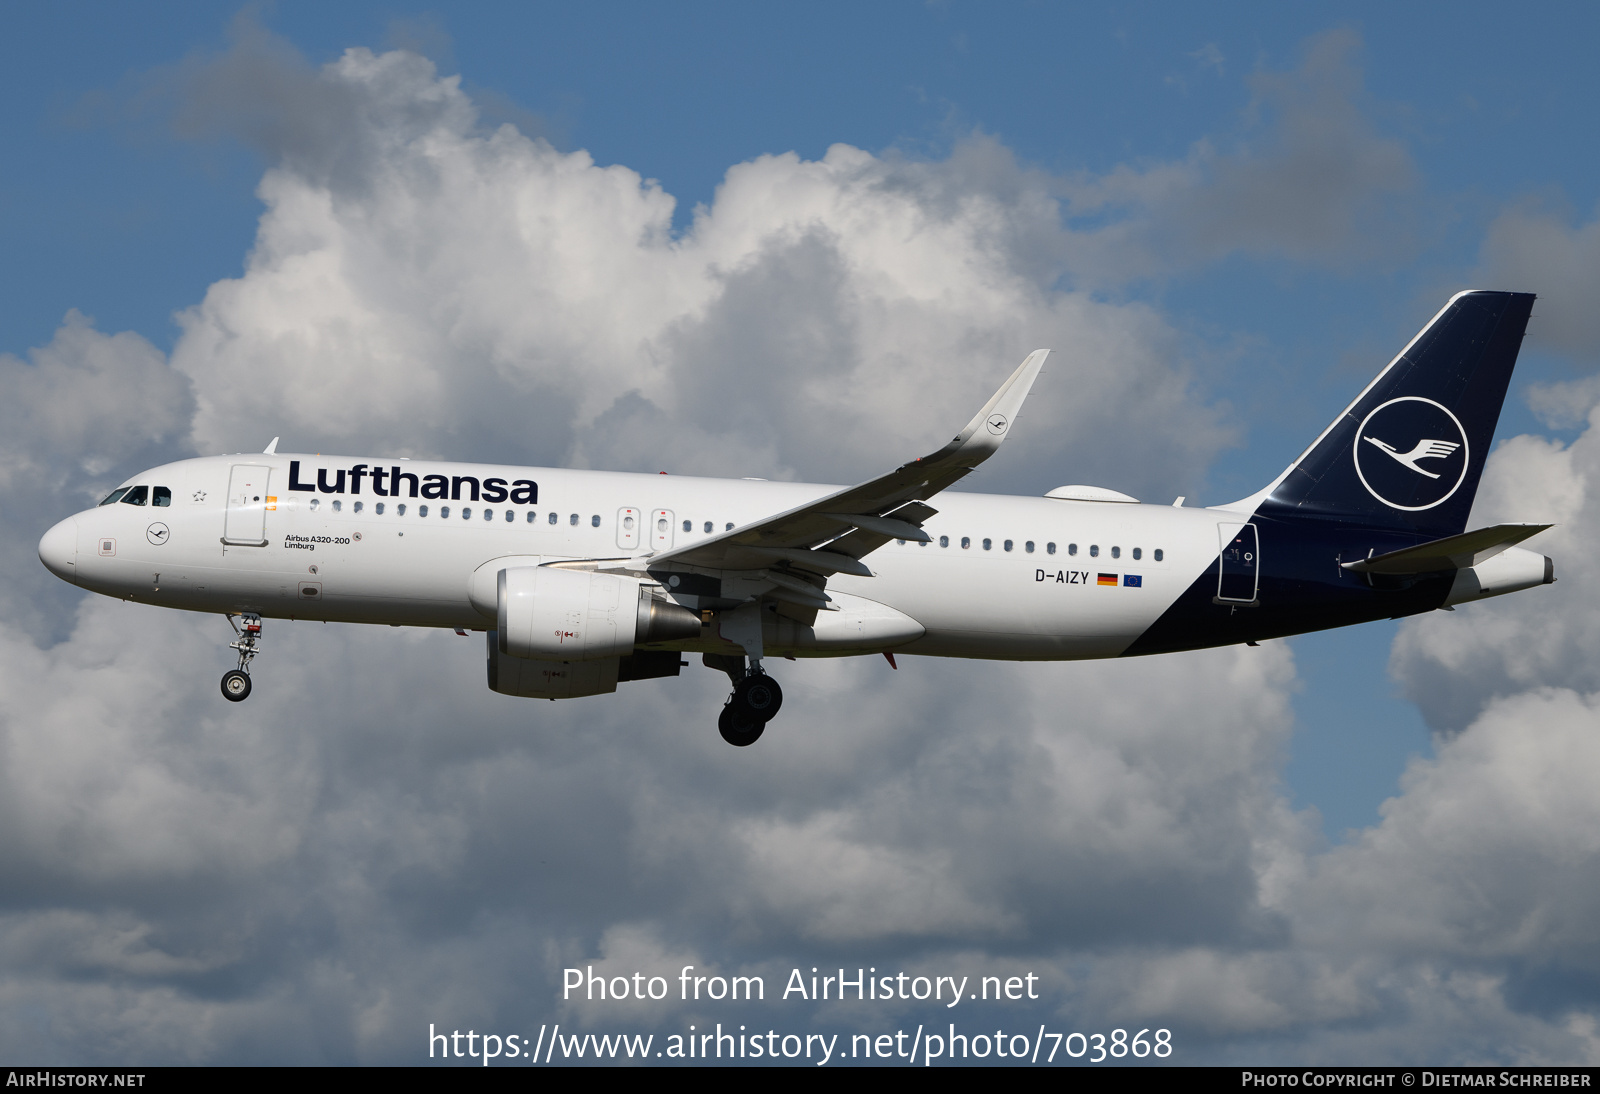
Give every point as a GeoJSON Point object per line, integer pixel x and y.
{"type": "Point", "coordinates": [1408, 453]}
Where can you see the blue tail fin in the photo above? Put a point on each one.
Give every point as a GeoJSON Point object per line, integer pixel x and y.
{"type": "Point", "coordinates": [1407, 454]}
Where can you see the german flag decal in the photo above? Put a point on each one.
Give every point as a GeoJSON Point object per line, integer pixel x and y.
{"type": "Point", "coordinates": [1107, 579]}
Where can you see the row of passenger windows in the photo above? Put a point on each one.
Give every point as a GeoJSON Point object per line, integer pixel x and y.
{"type": "Point", "coordinates": [140, 495]}
{"type": "Point", "coordinates": [467, 513]}
{"type": "Point", "coordinates": [1028, 546]}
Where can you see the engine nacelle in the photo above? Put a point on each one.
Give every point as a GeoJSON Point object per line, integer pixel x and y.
{"type": "Point", "coordinates": [549, 679]}
{"type": "Point", "coordinates": [547, 613]}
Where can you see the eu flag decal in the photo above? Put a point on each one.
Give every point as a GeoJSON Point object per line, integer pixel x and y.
{"type": "Point", "coordinates": [1107, 579]}
{"type": "Point", "coordinates": [1132, 581]}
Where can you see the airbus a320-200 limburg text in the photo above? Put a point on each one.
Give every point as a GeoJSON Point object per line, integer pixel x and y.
{"type": "Point", "coordinates": [582, 580]}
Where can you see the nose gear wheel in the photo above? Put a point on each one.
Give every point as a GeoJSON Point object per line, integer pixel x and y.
{"type": "Point", "coordinates": [236, 682]}
{"type": "Point", "coordinates": [235, 686]}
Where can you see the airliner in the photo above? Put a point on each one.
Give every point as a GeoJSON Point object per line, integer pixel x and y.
{"type": "Point", "coordinates": [582, 580]}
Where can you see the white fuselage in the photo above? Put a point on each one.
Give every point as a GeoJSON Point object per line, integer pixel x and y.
{"type": "Point", "coordinates": [1037, 578]}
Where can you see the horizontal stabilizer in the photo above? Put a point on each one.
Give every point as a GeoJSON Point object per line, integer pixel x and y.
{"type": "Point", "coordinates": [1450, 553]}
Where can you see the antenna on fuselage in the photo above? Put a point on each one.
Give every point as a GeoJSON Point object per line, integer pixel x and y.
{"type": "Point", "coordinates": [271, 449]}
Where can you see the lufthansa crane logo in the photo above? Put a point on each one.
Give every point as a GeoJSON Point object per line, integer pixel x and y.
{"type": "Point", "coordinates": [1411, 453]}
{"type": "Point", "coordinates": [997, 424]}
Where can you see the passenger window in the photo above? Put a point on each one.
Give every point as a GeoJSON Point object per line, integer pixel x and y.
{"type": "Point", "coordinates": [728, 527]}
{"type": "Point", "coordinates": [531, 515]}
{"type": "Point", "coordinates": [594, 521]}
{"type": "Point", "coordinates": [115, 495]}
{"type": "Point", "coordinates": [987, 544]}
{"type": "Point", "coordinates": [688, 526]}
{"type": "Point", "coordinates": [1049, 548]}
{"type": "Point", "coordinates": [944, 541]}
{"type": "Point", "coordinates": [574, 520]}
{"type": "Point", "coordinates": [554, 519]}
{"type": "Point", "coordinates": [1072, 548]}
{"type": "Point", "coordinates": [316, 503]}
{"type": "Point", "coordinates": [1007, 545]}
{"type": "Point", "coordinates": [1137, 554]}
{"type": "Point", "coordinates": [137, 496]}
{"type": "Point", "coordinates": [337, 505]}
{"type": "Point", "coordinates": [422, 510]}
{"type": "Point", "coordinates": [1028, 546]}
{"type": "Point", "coordinates": [510, 516]}
{"type": "Point", "coordinates": [378, 508]}
{"type": "Point", "coordinates": [1116, 552]}
{"type": "Point", "coordinates": [709, 526]}
{"type": "Point", "coordinates": [966, 541]}
{"type": "Point", "coordinates": [161, 496]}
{"type": "Point", "coordinates": [901, 542]}
{"type": "Point", "coordinates": [1159, 555]}
{"type": "Point", "coordinates": [444, 512]}
{"type": "Point", "coordinates": [356, 508]}
{"type": "Point", "coordinates": [400, 510]}
{"type": "Point", "coordinates": [466, 514]}
{"type": "Point", "coordinates": [1094, 550]}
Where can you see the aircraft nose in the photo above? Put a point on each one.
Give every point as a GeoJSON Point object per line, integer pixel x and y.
{"type": "Point", "coordinates": [58, 550]}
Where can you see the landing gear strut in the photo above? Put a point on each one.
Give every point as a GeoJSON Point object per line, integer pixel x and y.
{"type": "Point", "coordinates": [755, 700]}
{"type": "Point", "coordinates": [236, 682]}
{"type": "Point", "coordinates": [756, 696]}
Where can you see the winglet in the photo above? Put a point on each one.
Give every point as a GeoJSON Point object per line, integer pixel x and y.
{"type": "Point", "coordinates": [982, 436]}
{"type": "Point", "coordinates": [271, 449]}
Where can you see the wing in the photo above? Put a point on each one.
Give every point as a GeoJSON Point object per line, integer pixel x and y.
{"type": "Point", "coordinates": [832, 535]}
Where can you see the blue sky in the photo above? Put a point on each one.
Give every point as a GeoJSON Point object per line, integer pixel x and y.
{"type": "Point", "coordinates": [1394, 144]}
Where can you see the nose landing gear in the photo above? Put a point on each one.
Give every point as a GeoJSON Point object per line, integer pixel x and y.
{"type": "Point", "coordinates": [236, 682]}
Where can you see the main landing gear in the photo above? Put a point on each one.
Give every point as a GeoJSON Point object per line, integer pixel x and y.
{"type": "Point", "coordinates": [236, 682]}
{"type": "Point", "coordinates": [755, 700]}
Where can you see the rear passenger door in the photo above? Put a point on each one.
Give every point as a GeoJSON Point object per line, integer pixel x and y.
{"type": "Point", "coordinates": [1238, 564]}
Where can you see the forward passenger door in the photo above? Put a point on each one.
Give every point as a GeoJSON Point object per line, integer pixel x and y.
{"type": "Point", "coordinates": [246, 522]}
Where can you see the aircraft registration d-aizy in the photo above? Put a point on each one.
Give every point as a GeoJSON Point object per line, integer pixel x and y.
{"type": "Point", "coordinates": [582, 580]}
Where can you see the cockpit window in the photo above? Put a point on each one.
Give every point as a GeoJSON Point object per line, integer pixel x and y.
{"type": "Point", "coordinates": [139, 495]}
{"type": "Point", "coordinates": [115, 495]}
{"type": "Point", "coordinates": [161, 496]}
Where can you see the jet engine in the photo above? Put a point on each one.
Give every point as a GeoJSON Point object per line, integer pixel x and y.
{"type": "Point", "coordinates": [552, 614]}
{"type": "Point", "coordinates": [564, 633]}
